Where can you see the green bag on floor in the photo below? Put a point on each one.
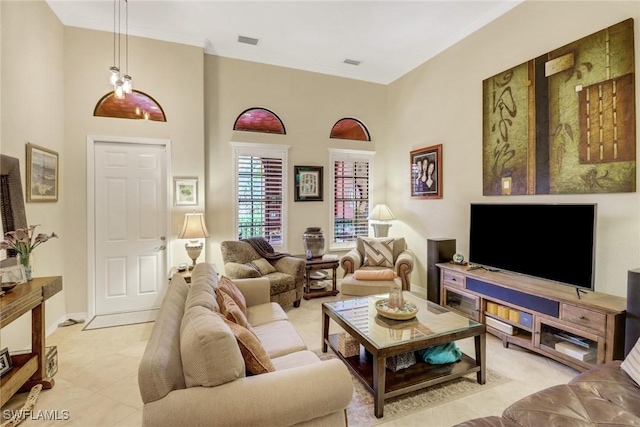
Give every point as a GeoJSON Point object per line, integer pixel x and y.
{"type": "Point", "coordinates": [441, 354]}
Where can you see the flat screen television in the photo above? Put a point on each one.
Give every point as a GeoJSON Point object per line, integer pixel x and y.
{"type": "Point", "coordinates": [550, 241]}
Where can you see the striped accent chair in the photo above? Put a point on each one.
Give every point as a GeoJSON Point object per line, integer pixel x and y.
{"type": "Point", "coordinates": [377, 254]}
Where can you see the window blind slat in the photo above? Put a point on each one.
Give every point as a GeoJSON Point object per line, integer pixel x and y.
{"type": "Point", "coordinates": [260, 197]}
{"type": "Point", "coordinates": [351, 200]}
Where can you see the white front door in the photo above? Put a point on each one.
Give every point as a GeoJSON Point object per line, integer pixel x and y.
{"type": "Point", "coordinates": [130, 226]}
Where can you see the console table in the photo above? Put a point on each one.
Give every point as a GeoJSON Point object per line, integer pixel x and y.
{"type": "Point", "coordinates": [28, 369]}
{"type": "Point", "coordinates": [539, 315]}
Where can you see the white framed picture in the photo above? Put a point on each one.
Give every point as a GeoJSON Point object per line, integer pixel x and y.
{"type": "Point", "coordinates": [14, 273]}
{"type": "Point", "coordinates": [185, 191]}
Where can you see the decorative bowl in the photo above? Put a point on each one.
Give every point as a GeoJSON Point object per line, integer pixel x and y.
{"type": "Point", "coordinates": [409, 310]}
{"type": "Point", "coordinates": [7, 286]}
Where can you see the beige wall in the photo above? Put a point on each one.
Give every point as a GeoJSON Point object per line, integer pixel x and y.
{"type": "Point", "coordinates": [309, 104]}
{"type": "Point", "coordinates": [173, 75]}
{"type": "Point", "coordinates": [52, 77]}
{"type": "Point", "coordinates": [441, 102]}
{"type": "Point", "coordinates": [33, 111]}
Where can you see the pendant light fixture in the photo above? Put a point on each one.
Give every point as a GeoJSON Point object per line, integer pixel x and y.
{"type": "Point", "coordinates": [121, 84]}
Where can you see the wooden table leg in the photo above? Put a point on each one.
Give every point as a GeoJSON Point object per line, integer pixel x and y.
{"type": "Point", "coordinates": [335, 283]}
{"type": "Point", "coordinates": [481, 344]}
{"type": "Point", "coordinates": [38, 347]}
{"type": "Point", "coordinates": [379, 370]}
{"type": "Point", "coordinates": [325, 331]}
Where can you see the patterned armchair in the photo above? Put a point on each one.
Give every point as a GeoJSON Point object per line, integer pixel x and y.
{"type": "Point", "coordinates": [367, 256]}
{"type": "Point", "coordinates": [286, 275]}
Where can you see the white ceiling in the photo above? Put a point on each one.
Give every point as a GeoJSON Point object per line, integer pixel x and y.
{"type": "Point", "coordinates": [389, 37]}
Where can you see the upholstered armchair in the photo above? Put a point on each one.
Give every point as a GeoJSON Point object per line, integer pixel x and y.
{"type": "Point", "coordinates": [368, 255]}
{"type": "Point", "coordinates": [286, 275]}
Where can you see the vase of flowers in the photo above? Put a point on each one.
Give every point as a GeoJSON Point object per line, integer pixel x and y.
{"type": "Point", "coordinates": [24, 241]}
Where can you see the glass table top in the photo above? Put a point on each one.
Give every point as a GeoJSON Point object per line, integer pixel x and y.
{"type": "Point", "coordinates": [430, 321]}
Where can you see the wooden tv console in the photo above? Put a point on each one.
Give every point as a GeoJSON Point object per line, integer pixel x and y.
{"type": "Point", "coordinates": [537, 314]}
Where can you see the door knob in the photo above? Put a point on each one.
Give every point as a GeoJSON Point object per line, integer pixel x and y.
{"type": "Point", "coordinates": [160, 248]}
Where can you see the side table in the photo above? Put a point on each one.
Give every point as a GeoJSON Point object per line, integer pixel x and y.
{"type": "Point", "coordinates": [319, 264]}
{"type": "Point", "coordinates": [186, 274]}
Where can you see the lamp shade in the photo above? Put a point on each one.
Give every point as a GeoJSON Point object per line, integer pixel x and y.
{"type": "Point", "coordinates": [381, 212]}
{"type": "Point", "coordinates": [193, 227]}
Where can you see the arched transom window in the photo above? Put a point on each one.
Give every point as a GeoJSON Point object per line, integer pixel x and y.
{"type": "Point", "coordinates": [135, 105]}
{"type": "Point", "coordinates": [258, 119]}
{"type": "Point", "coordinates": [349, 128]}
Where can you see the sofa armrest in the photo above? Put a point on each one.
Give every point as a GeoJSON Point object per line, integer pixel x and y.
{"type": "Point", "coordinates": [280, 398]}
{"type": "Point", "coordinates": [404, 267]}
{"type": "Point", "coordinates": [351, 261]}
{"type": "Point", "coordinates": [292, 266]}
{"type": "Point", "coordinates": [234, 270]}
{"type": "Point", "coordinates": [256, 291]}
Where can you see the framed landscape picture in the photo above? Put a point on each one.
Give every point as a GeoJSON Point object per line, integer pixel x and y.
{"type": "Point", "coordinates": [308, 183]}
{"type": "Point", "coordinates": [185, 191]}
{"type": "Point", "coordinates": [426, 172]}
{"type": "Point", "coordinates": [42, 174]}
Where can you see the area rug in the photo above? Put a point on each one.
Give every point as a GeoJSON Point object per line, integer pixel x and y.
{"type": "Point", "coordinates": [360, 410]}
{"type": "Point", "coordinates": [121, 319]}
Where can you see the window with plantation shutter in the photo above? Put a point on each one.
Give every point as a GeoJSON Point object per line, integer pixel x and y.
{"type": "Point", "coordinates": [351, 179]}
{"type": "Point", "coordinates": [260, 192]}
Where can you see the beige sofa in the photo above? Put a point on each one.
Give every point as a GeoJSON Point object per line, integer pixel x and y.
{"type": "Point", "coordinates": [190, 374]}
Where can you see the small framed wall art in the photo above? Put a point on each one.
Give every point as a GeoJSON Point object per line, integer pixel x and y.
{"type": "Point", "coordinates": [308, 183]}
{"type": "Point", "coordinates": [185, 191]}
{"type": "Point", "coordinates": [426, 172]}
{"type": "Point", "coordinates": [5, 361]}
{"type": "Point", "coordinates": [42, 174]}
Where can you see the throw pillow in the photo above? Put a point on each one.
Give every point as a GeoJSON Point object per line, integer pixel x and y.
{"type": "Point", "coordinates": [631, 363]}
{"type": "Point", "coordinates": [208, 348]}
{"type": "Point", "coordinates": [256, 358]}
{"type": "Point", "coordinates": [263, 266]}
{"type": "Point", "coordinates": [384, 274]}
{"type": "Point", "coordinates": [241, 271]}
{"type": "Point", "coordinates": [231, 311]}
{"type": "Point", "coordinates": [227, 286]}
{"type": "Point", "coordinates": [378, 252]}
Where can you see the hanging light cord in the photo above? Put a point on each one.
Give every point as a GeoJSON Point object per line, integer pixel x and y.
{"type": "Point", "coordinates": [119, 31]}
{"type": "Point", "coordinates": [114, 32]}
{"type": "Point", "coordinates": [126, 36]}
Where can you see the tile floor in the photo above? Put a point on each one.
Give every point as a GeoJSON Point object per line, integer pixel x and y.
{"type": "Point", "coordinates": [97, 376]}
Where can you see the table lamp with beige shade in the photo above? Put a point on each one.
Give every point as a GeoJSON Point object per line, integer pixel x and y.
{"type": "Point", "coordinates": [380, 217]}
{"type": "Point", "coordinates": [194, 228]}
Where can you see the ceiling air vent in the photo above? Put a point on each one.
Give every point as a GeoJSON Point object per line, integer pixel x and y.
{"type": "Point", "coordinates": [352, 62]}
{"type": "Point", "coordinates": [247, 40]}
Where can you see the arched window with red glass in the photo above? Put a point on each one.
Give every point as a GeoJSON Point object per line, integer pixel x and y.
{"type": "Point", "coordinates": [258, 119]}
{"type": "Point", "coordinates": [350, 128]}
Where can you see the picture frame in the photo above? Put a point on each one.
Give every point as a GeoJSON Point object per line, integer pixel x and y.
{"type": "Point", "coordinates": [13, 273]}
{"type": "Point", "coordinates": [185, 190]}
{"type": "Point", "coordinates": [42, 174]}
{"type": "Point", "coordinates": [425, 165]}
{"type": "Point", "coordinates": [308, 183]}
{"type": "Point", "coordinates": [6, 364]}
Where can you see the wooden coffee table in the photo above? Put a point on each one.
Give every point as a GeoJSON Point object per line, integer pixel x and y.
{"type": "Point", "coordinates": [382, 338]}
